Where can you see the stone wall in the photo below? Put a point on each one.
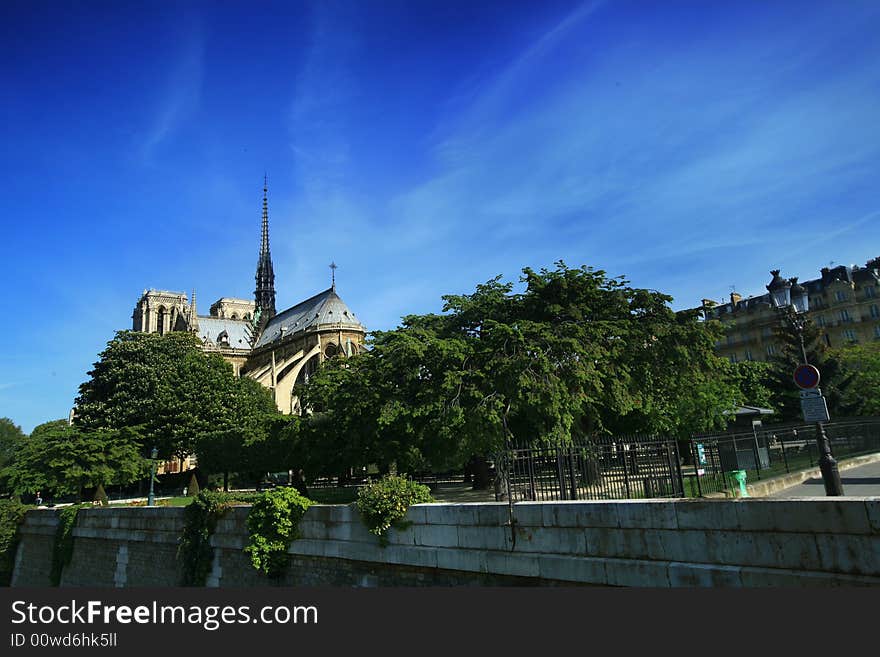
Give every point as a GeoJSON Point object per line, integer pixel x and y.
{"type": "Point", "coordinates": [748, 542]}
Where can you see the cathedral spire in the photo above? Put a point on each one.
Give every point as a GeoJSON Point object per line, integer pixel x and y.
{"type": "Point", "coordinates": [264, 294]}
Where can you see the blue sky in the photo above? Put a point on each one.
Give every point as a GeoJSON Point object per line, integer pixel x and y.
{"type": "Point", "coordinates": [425, 147]}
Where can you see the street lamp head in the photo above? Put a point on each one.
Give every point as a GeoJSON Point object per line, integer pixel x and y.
{"type": "Point", "coordinates": [154, 453]}
{"type": "Point", "coordinates": [780, 290]}
{"type": "Point", "coordinates": [799, 297]}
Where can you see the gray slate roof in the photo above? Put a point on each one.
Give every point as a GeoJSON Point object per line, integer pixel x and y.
{"type": "Point", "coordinates": [238, 331]}
{"type": "Point", "coordinates": [323, 308]}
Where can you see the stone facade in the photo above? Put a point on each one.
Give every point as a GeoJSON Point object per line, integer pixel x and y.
{"type": "Point", "coordinates": [844, 302]}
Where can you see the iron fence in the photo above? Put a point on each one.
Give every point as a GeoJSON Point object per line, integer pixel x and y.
{"type": "Point", "coordinates": [769, 451]}
{"type": "Point", "coordinates": [592, 469]}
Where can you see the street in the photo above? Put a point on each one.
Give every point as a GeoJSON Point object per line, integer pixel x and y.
{"type": "Point", "coordinates": [863, 480]}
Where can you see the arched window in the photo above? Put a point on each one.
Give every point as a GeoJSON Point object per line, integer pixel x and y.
{"type": "Point", "coordinates": [160, 320]}
{"type": "Point", "coordinates": [234, 316]}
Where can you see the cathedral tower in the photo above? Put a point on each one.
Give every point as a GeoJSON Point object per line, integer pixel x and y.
{"type": "Point", "coordinates": [264, 295]}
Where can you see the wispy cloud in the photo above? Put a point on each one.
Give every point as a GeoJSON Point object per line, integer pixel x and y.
{"type": "Point", "coordinates": [690, 152]}
{"type": "Point", "coordinates": [181, 96]}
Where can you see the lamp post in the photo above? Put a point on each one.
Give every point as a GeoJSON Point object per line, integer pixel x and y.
{"type": "Point", "coordinates": [792, 301]}
{"type": "Point", "coordinates": [151, 498]}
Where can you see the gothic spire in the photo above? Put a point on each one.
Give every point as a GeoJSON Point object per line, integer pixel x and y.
{"type": "Point", "coordinates": [264, 294]}
{"type": "Point", "coordinates": [264, 237]}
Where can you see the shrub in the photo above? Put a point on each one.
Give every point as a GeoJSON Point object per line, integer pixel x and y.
{"type": "Point", "coordinates": [382, 504]}
{"type": "Point", "coordinates": [11, 515]}
{"type": "Point", "coordinates": [273, 523]}
{"type": "Point", "coordinates": [100, 496]}
{"type": "Point", "coordinates": [193, 489]}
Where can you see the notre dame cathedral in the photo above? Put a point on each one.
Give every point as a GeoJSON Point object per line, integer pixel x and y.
{"type": "Point", "coordinates": [276, 349]}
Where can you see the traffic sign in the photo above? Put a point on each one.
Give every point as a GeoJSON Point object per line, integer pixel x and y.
{"type": "Point", "coordinates": [815, 409]}
{"type": "Point", "coordinates": [806, 377]}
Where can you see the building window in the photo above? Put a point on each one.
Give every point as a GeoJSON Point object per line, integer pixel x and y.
{"type": "Point", "coordinates": [850, 335]}
{"type": "Point", "coordinates": [749, 355]}
{"type": "Point", "coordinates": [875, 311]}
{"type": "Point", "coordinates": [820, 320]}
{"type": "Point", "coordinates": [840, 295]}
{"type": "Point", "coordinates": [771, 350]}
{"type": "Point", "coordinates": [870, 292]}
{"type": "Point", "coordinates": [844, 316]}
{"type": "Point", "coordinates": [732, 358]}
{"type": "Point", "coordinates": [729, 339]}
{"type": "Point", "coordinates": [877, 331]}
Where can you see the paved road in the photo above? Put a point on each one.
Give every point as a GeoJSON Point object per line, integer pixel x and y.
{"type": "Point", "coordinates": [863, 480]}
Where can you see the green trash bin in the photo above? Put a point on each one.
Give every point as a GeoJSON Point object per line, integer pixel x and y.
{"type": "Point", "coordinates": [738, 483]}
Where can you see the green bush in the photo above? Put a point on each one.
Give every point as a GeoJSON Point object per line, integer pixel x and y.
{"type": "Point", "coordinates": [11, 515]}
{"type": "Point", "coordinates": [100, 496]}
{"type": "Point", "coordinates": [383, 504]}
{"type": "Point", "coordinates": [273, 523]}
{"type": "Point", "coordinates": [193, 489]}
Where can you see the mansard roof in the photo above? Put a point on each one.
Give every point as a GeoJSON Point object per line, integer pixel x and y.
{"type": "Point", "coordinates": [324, 309]}
{"type": "Point", "coordinates": [238, 331]}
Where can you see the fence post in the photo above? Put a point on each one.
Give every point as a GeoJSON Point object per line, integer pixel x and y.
{"type": "Point", "coordinates": [626, 470]}
{"type": "Point", "coordinates": [560, 473]}
{"type": "Point", "coordinates": [784, 457]}
{"type": "Point", "coordinates": [571, 473]}
{"type": "Point", "coordinates": [533, 490]}
{"type": "Point", "coordinates": [673, 454]}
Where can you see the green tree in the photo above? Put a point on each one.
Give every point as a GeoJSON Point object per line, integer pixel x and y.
{"type": "Point", "coordinates": [164, 385]}
{"type": "Point", "coordinates": [238, 443]}
{"type": "Point", "coordinates": [575, 354]}
{"type": "Point", "coordinates": [64, 459]}
{"type": "Point", "coordinates": [860, 364]}
{"type": "Point", "coordinates": [835, 381]}
{"type": "Point", "coordinates": [11, 436]}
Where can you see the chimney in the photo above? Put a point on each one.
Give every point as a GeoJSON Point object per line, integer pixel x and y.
{"type": "Point", "coordinates": [735, 298]}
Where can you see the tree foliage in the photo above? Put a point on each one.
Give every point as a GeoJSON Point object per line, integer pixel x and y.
{"type": "Point", "coordinates": [11, 437]}
{"type": "Point", "coordinates": [860, 365]}
{"type": "Point", "coordinates": [65, 459]}
{"type": "Point", "coordinates": [835, 381]}
{"type": "Point", "coordinates": [164, 385]}
{"type": "Point", "coordinates": [576, 353]}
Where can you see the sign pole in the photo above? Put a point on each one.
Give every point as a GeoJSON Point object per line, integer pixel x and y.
{"type": "Point", "coordinates": [815, 409]}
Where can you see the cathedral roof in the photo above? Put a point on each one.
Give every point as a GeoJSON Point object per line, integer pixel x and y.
{"type": "Point", "coordinates": [325, 308]}
{"type": "Point", "coordinates": [238, 331]}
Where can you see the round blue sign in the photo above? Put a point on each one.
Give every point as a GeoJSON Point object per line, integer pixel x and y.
{"type": "Point", "coordinates": [806, 377]}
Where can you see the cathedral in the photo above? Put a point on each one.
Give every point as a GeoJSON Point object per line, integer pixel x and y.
{"type": "Point", "coordinates": [277, 349]}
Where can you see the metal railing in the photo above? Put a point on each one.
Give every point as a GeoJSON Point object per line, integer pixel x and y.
{"type": "Point", "coordinates": [592, 469]}
{"type": "Point", "coordinates": [770, 451]}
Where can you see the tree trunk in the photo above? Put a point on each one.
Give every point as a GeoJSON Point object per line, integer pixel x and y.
{"type": "Point", "coordinates": [226, 482]}
{"type": "Point", "coordinates": [480, 473]}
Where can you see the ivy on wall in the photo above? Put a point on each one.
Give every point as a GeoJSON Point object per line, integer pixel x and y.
{"type": "Point", "coordinates": [273, 523]}
{"type": "Point", "coordinates": [62, 549]}
{"type": "Point", "coordinates": [11, 516]}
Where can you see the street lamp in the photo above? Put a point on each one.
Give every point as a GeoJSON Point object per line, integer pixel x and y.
{"type": "Point", "coordinates": [151, 498]}
{"type": "Point", "coordinates": [792, 301]}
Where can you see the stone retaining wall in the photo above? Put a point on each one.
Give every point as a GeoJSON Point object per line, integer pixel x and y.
{"type": "Point", "coordinates": [749, 542]}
